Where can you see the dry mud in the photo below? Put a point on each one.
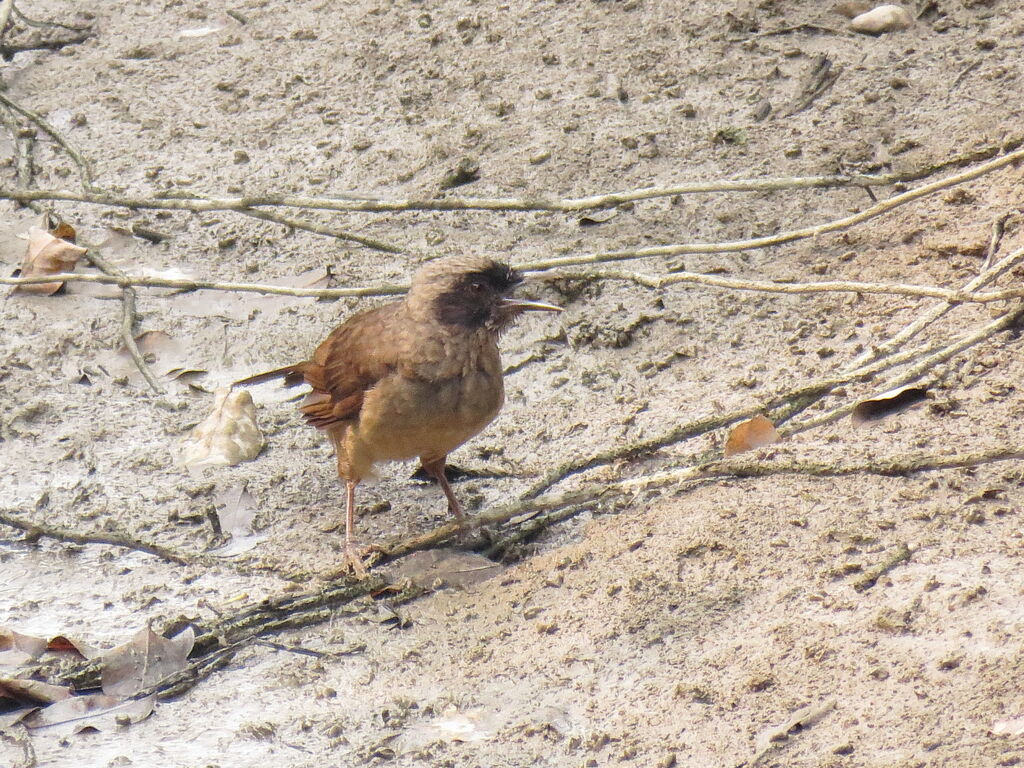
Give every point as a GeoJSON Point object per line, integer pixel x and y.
{"type": "Point", "coordinates": [669, 627]}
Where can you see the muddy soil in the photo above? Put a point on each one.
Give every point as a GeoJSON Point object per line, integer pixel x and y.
{"type": "Point", "coordinates": [673, 626]}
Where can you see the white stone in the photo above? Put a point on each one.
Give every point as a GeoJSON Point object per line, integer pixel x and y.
{"type": "Point", "coordinates": [884, 18]}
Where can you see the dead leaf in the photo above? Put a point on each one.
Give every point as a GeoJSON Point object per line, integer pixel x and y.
{"type": "Point", "coordinates": [228, 436]}
{"type": "Point", "coordinates": [16, 648]}
{"type": "Point", "coordinates": [751, 434]}
{"type": "Point", "coordinates": [32, 692]}
{"type": "Point", "coordinates": [434, 568]}
{"type": "Point", "coordinates": [887, 404]}
{"type": "Point", "coordinates": [65, 644]}
{"type": "Point", "coordinates": [144, 661]}
{"type": "Point", "coordinates": [47, 255]}
{"type": "Point", "coordinates": [236, 510]}
{"type": "Point", "coordinates": [97, 711]}
{"type": "Point", "coordinates": [598, 217]}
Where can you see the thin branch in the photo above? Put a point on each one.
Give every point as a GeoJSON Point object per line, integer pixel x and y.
{"type": "Point", "coordinates": [320, 229]}
{"type": "Point", "coordinates": [763, 286]}
{"type": "Point", "coordinates": [779, 407]}
{"type": "Point", "coordinates": [950, 295]}
{"type": "Point", "coordinates": [35, 531]}
{"type": "Point", "coordinates": [84, 166]}
{"type": "Point", "coordinates": [5, 16]}
{"type": "Point", "coordinates": [182, 201]}
{"type": "Point", "coordinates": [208, 285]}
{"type": "Point", "coordinates": [569, 503]}
{"type": "Point", "coordinates": [128, 318]}
{"type": "Point", "coordinates": [918, 370]}
{"type": "Point", "coordinates": [936, 312]}
{"type": "Point", "coordinates": [803, 233]}
{"type": "Point", "coordinates": [760, 467]}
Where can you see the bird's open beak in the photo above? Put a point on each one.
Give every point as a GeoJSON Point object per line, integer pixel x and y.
{"type": "Point", "coordinates": [522, 305]}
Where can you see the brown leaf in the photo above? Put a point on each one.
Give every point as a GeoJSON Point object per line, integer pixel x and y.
{"type": "Point", "coordinates": [32, 692]}
{"type": "Point", "coordinates": [228, 436]}
{"type": "Point", "coordinates": [47, 255]}
{"type": "Point", "coordinates": [887, 404]}
{"type": "Point", "coordinates": [751, 434]}
{"type": "Point", "coordinates": [65, 644]}
{"type": "Point", "coordinates": [144, 661]}
{"type": "Point", "coordinates": [16, 648]}
{"type": "Point", "coordinates": [97, 711]}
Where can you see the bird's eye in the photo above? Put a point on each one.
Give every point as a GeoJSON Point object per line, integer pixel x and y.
{"type": "Point", "coordinates": [476, 287]}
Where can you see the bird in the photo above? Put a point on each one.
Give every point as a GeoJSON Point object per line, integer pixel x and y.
{"type": "Point", "coordinates": [414, 378]}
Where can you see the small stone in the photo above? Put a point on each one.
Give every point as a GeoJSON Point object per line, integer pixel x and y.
{"type": "Point", "coordinates": [241, 156]}
{"type": "Point", "coordinates": [540, 157]}
{"type": "Point", "coordinates": [884, 18]}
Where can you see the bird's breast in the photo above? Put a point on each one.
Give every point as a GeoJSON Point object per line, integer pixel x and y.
{"type": "Point", "coordinates": [406, 416]}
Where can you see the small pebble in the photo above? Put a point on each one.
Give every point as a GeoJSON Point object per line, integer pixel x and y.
{"type": "Point", "coordinates": [884, 18]}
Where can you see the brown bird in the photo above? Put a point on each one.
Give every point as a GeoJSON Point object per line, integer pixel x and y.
{"type": "Point", "coordinates": [413, 378]}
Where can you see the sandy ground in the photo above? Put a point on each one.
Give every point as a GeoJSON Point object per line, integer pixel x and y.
{"type": "Point", "coordinates": [669, 627]}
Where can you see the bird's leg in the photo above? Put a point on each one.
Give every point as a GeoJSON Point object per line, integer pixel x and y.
{"type": "Point", "coordinates": [353, 557]}
{"type": "Point", "coordinates": [435, 469]}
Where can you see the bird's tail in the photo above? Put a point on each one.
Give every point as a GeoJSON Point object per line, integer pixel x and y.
{"type": "Point", "coordinates": [292, 375]}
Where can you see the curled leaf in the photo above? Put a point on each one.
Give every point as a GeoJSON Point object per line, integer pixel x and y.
{"type": "Point", "coordinates": [751, 434]}
{"type": "Point", "coordinates": [228, 436]}
{"type": "Point", "coordinates": [32, 692]}
{"type": "Point", "coordinates": [16, 648]}
{"type": "Point", "coordinates": [47, 255]}
{"type": "Point", "coordinates": [887, 404]}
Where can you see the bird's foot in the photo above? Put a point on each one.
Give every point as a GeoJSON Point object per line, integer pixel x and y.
{"type": "Point", "coordinates": [352, 562]}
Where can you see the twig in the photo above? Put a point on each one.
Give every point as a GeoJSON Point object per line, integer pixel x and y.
{"type": "Point", "coordinates": [871, 576]}
{"type": "Point", "coordinates": [803, 233]}
{"type": "Point", "coordinates": [935, 357]}
{"type": "Point", "coordinates": [186, 202]}
{"type": "Point", "coordinates": [46, 45]}
{"type": "Point", "coordinates": [320, 229]}
{"type": "Point", "coordinates": [84, 166]}
{"type": "Point", "coordinates": [128, 318]}
{"type": "Point", "coordinates": [34, 531]}
{"type": "Point", "coordinates": [780, 407]}
{"type": "Point", "coordinates": [5, 16]}
{"type": "Point", "coordinates": [54, 24]}
{"type": "Point", "coordinates": [933, 314]}
{"type": "Point", "coordinates": [209, 285]}
{"type": "Point", "coordinates": [230, 632]}
{"type": "Point", "coordinates": [950, 295]}
{"type": "Point", "coordinates": [764, 286]}
{"type": "Point", "coordinates": [751, 468]}
{"type": "Point", "coordinates": [998, 228]}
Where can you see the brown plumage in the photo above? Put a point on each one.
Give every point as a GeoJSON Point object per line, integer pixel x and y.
{"type": "Point", "coordinates": [413, 378]}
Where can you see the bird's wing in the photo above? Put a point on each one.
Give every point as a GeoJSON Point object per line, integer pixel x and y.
{"type": "Point", "coordinates": [348, 363]}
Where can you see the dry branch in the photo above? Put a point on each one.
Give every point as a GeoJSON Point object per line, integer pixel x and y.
{"type": "Point", "coordinates": [36, 530]}
{"type": "Point", "coordinates": [950, 295]}
{"type": "Point", "coordinates": [84, 166]}
{"type": "Point", "coordinates": [128, 318]}
{"type": "Point", "coordinates": [209, 285]}
{"type": "Point", "coordinates": [183, 201]}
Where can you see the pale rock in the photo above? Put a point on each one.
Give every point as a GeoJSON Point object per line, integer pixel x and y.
{"type": "Point", "coordinates": [884, 18]}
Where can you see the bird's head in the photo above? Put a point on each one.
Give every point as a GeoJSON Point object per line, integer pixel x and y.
{"type": "Point", "coordinates": [471, 292]}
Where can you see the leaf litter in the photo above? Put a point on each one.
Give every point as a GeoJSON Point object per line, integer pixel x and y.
{"type": "Point", "coordinates": [47, 254]}
{"type": "Point", "coordinates": [228, 436]}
